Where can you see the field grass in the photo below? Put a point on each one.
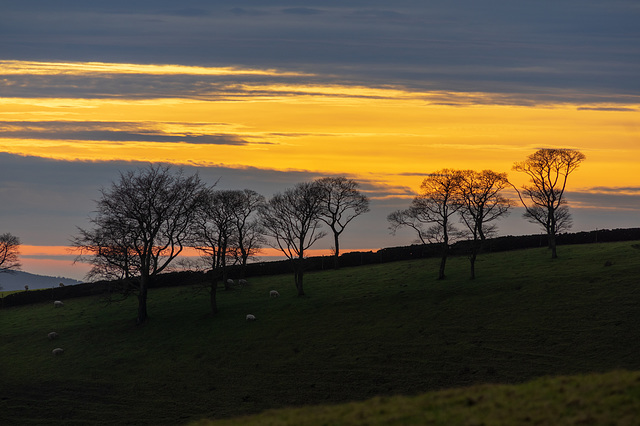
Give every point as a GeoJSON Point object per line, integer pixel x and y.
{"type": "Point", "coordinates": [595, 399]}
{"type": "Point", "coordinates": [373, 331]}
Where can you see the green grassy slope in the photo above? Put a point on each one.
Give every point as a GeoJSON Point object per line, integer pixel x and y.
{"type": "Point", "coordinates": [596, 399]}
{"type": "Point", "coordinates": [361, 332]}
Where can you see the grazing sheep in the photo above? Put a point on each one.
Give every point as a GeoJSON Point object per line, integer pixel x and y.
{"type": "Point", "coordinates": [251, 317]}
{"type": "Point", "coordinates": [52, 335]}
{"type": "Point", "coordinates": [58, 304]}
{"type": "Point", "coordinates": [57, 351]}
{"type": "Point", "coordinates": [230, 281]}
{"type": "Point", "coordinates": [274, 293]}
{"type": "Point", "coordinates": [243, 282]}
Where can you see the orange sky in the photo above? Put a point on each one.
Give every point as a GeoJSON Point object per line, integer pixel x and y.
{"type": "Point", "coordinates": [376, 133]}
{"type": "Point", "coordinates": [387, 135]}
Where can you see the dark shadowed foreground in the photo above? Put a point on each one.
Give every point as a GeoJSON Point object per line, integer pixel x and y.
{"type": "Point", "coordinates": [379, 330]}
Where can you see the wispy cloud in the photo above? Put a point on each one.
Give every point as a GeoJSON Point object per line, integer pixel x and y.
{"type": "Point", "coordinates": [606, 198]}
{"type": "Point", "coordinates": [13, 67]}
{"type": "Point", "coordinates": [613, 109]}
{"type": "Point", "coordinates": [301, 11]}
{"type": "Point", "coordinates": [530, 48]}
{"type": "Point", "coordinates": [93, 80]}
{"type": "Point", "coordinates": [108, 131]}
{"type": "Point", "coordinates": [616, 190]}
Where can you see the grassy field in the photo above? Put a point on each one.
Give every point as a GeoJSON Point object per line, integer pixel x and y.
{"type": "Point", "coordinates": [359, 333]}
{"type": "Point", "coordinates": [594, 399]}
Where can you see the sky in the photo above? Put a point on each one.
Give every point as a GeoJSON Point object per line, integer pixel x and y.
{"type": "Point", "coordinates": [265, 94]}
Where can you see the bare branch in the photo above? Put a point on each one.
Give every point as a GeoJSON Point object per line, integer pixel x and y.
{"type": "Point", "coordinates": [9, 252]}
{"type": "Point", "coordinates": [548, 171]}
{"type": "Point", "coordinates": [292, 220]}
{"type": "Point", "coordinates": [142, 223]}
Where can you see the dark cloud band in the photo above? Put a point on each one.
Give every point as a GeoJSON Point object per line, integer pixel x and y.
{"type": "Point", "coordinates": [107, 131]}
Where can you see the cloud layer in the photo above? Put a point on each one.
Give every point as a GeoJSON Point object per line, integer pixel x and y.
{"type": "Point", "coordinates": [491, 46]}
{"type": "Point", "coordinates": [107, 131]}
{"type": "Point", "coordinates": [263, 94]}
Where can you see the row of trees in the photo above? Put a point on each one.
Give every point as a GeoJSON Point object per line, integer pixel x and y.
{"type": "Point", "coordinates": [475, 197]}
{"type": "Point", "coordinates": [144, 221]}
{"type": "Point", "coordinates": [147, 219]}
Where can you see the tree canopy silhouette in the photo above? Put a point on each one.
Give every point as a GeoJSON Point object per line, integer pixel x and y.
{"type": "Point", "coordinates": [9, 251]}
{"type": "Point", "coordinates": [482, 203]}
{"type": "Point", "coordinates": [341, 203]}
{"type": "Point", "coordinates": [292, 220]}
{"type": "Point", "coordinates": [142, 223]}
{"type": "Point", "coordinates": [438, 200]}
{"type": "Point", "coordinates": [548, 170]}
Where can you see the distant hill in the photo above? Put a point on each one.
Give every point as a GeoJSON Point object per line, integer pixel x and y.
{"type": "Point", "coordinates": [17, 281]}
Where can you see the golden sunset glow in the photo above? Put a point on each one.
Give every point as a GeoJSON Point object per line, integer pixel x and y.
{"type": "Point", "coordinates": [375, 133]}
{"type": "Point", "coordinates": [85, 68]}
{"type": "Point", "coordinates": [31, 251]}
{"type": "Point", "coordinates": [263, 96]}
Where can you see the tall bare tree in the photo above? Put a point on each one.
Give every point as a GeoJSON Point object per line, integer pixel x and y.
{"type": "Point", "coordinates": [292, 220]}
{"type": "Point", "coordinates": [248, 229]}
{"type": "Point", "coordinates": [142, 223]}
{"type": "Point", "coordinates": [9, 252]}
{"type": "Point", "coordinates": [438, 200]}
{"type": "Point", "coordinates": [548, 170]}
{"type": "Point", "coordinates": [214, 235]}
{"type": "Point", "coordinates": [341, 203]}
{"type": "Point", "coordinates": [482, 204]}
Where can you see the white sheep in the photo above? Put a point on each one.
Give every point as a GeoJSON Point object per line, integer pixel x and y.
{"type": "Point", "coordinates": [243, 282]}
{"type": "Point", "coordinates": [251, 317]}
{"type": "Point", "coordinates": [57, 351]}
{"type": "Point", "coordinates": [58, 304]}
{"type": "Point", "coordinates": [52, 335]}
{"type": "Point", "coordinates": [274, 293]}
{"type": "Point", "coordinates": [230, 281]}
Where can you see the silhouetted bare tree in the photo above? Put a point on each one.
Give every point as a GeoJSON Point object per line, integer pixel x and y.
{"type": "Point", "coordinates": [438, 200]}
{"type": "Point", "coordinates": [248, 229]}
{"type": "Point", "coordinates": [544, 201]}
{"type": "Point", "coordinates": [482, 203]}
{"type": "Point", "coordinates": [142, 223]}
{"type": "Point", "coordinates": [292, 219]}
{"type": "Point", "coordinates": [214, 234]}
{"type": "Point", "coordinates": [341, 203]}
{"type": "Point", "coordinates": [9, 252]}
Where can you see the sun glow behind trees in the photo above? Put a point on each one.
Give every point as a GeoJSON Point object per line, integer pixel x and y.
{"type": "Point", "coordinates": [386, 135]}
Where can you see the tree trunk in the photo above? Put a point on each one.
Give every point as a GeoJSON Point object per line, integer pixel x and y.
{"type": "Point", "coordinates": [472, 259]}
{"type": "Point", "coordinates": [225, 274]}
{"type": "Point", "coordinates": [476, 247]}
{"type": "Point", "coordinates": [336, 254]}
{"type": "Point", "coordinates": [552, 245]}
{"type": "Point", "coordinates": [299, 273]}
{"type": "Point", "coordinates": [443, 260]}
{"type": "Point", "coordinates": [243, 267]}
{"type": "Point", "coordinates": [142, 300]}
{"type": "Point", "coordinates": [551, 232]}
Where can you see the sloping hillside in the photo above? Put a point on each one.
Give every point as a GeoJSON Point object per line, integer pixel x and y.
{"type": "Point", "coordinates": [381, 330]}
